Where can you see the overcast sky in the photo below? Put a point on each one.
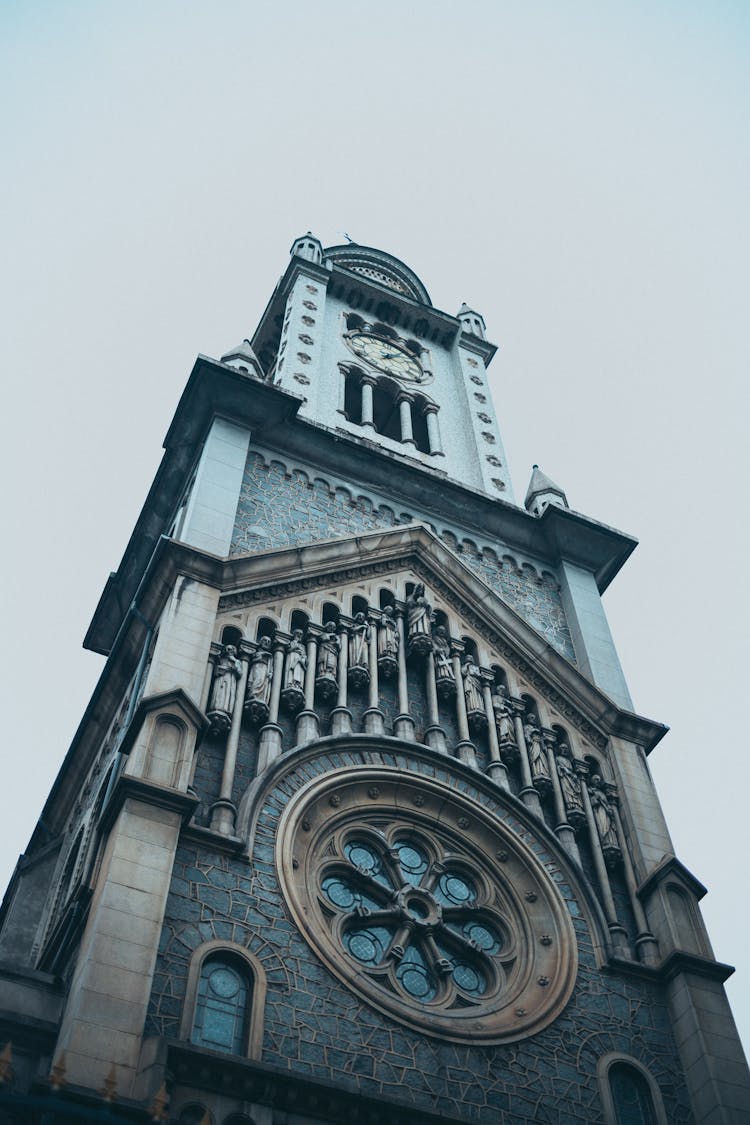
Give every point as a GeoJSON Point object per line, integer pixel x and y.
{"type": "Point", "coordinates": [576, 171]}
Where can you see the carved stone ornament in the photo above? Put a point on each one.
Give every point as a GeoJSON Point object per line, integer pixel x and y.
{"type": "Point", "coordinates": [417, 916]}
{"type": "Point", "coordinates": [258, 693]}
{"type": "Point", "coordinates": [224, 690]}
{"type": "Point", "coordinates": [388, 644]}
{"type": "Point", "coordinates": [538, 763]}
{"type": "Point", "coordinates": [472, 678]}
{"type": "Point", "coordinates": [570, 787]}
{"type": "Point", "coordinates": [359, 635]}
{"type": "Point", "coordinates": [326, 678]}
{"type": "Point", "coordinates": [506, 735]}
{"type": "Point", "coordinates": [418, 621]}
{"type": "Point", "coordinates": [293, 694]}
{"type": "Point", "coordinates": [605, 822]}
{"type": "Point", "coordinates": [445, 679]}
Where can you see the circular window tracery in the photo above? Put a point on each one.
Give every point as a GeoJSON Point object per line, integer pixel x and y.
{"type": "Point", "coordinates": [457, 931]}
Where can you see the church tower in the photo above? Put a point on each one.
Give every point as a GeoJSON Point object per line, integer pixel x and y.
{"type": "Point", "coordinates": [358, 825]}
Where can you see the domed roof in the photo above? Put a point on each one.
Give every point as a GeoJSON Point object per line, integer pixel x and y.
{"type": "Point", "coordinates": [379, 267]}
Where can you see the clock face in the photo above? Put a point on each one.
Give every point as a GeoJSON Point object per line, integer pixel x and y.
{"type": "Point", "coordinates": [387, 356]}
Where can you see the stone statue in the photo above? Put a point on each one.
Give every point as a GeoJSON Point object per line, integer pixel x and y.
{"type": "Point", "coordinates": [326, 680]}
{"type": "Point", "coordinates": [604, 817]}
{"type": "Point", "coordinates": [293, 692]}
{"type": "Point", "coordinates": [537, 755]}
{"type": "Point", "coordinates": [359, 635]}
{"type": "Point", "coordinates": [388, 634]}
{"type": "Point", "coordinates": [506, 735]}
{"type": "Point", "coordinates": [418, 620]}
{"type": "Point", "coordinates": [296, 662]}
{"type": "Point", "coordinates": [472, 678]}
{"type": "Point", "coordinates": [570, 786]}
{"type": "Point", "coordinates": [224, 693]}
{"type": "Point", "coordinates": [445, 680]}
{"type": "Point", "coordinates": [258, 693]}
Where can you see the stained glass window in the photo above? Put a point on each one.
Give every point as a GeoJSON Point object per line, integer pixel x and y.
{"type": "Point", "coordinates": [221, 1008]}
{"type": "Point", "coordinates": [631, 1096]}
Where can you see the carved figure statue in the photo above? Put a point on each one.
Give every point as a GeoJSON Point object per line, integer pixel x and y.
{"type": "Point", "coordinates": [388, 634]}
{"type": "Point", "coordinates": [503, 716]}
{"type": "Point", "coordinates": [224, 693]}
{"type": "Point", "coordinates": [472, 685]}
{"type": "Point", "coordinates": [328, 652]}
{"type": "Point", "coordinates": [602, 810]}
{"type": "Point", "coordinates": [570, 786]}
{"type": "Point", "coordinates": [296, 662]}
{"type": "Point", "coordinates": [418, 620]}
{"type": "Point", "coordinates": [537, 757]}
{"type": "Point", "coordinates": [359, 635]}
{"type": "Point", "coordinates": [445, 680]}
{"type": "Point", "coordinates": [261, 672]}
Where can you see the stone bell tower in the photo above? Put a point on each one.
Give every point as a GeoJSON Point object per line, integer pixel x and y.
{"type": "Point", "coordinates": [358, 825]}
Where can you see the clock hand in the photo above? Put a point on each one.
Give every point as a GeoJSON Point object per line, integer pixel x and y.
{"type": "Point", "coordinates": [390, 355]}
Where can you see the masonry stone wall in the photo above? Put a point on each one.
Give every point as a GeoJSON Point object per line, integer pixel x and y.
{"type": "Point", "coordinates": [317, 1027]}
{"type": "Point", "coordinates": [281, 504]}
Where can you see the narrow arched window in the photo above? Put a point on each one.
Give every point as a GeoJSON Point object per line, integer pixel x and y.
{"type": "Point", "coordinates": [222, 1006]}
{"type": "Point", "coordinates": [631, 1096]}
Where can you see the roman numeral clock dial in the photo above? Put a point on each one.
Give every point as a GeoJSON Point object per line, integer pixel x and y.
{"type": "Point", "coordinates": [387, 356]}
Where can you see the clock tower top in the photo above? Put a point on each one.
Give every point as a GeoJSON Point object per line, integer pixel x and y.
{"type": "Point", "coordinates": [352, 329]}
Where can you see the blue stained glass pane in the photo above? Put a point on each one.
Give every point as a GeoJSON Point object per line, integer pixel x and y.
{"type": "Point", "coordinates": [455, 890]}
{"type": "Point", "coordinates": [412, 861]}
{"type": "Point", "coordinates": [485, 936]}
{"type": "Point", "coordinates": [221, 1008]}
{"type": "Point", "coordinates": [341, 893]}
{"type": "Point", "coordinates": [469, 978]}
{"type": "Point", "coordinates": [366, 858]}
{"type": "Point", "coordinates": [631, 1096]}
{"type": "Point", "coordinates": [368, 945]}
{"type": "Point", "coordinates": [414, 975]}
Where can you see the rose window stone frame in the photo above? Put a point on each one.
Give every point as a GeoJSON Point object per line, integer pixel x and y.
{"type": "Point", "coordinates": [426, 905]}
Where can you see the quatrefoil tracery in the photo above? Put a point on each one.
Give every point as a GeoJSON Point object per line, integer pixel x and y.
{"type": "Point", "coordinates": [417, 920]}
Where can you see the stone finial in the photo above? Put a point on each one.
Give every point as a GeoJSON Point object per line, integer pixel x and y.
{"type": "Point", "coordinates": [244, 359]}
{"type": "Point", "coordinates": [542, 492]}
{"type": "Point", "coordinates": [472, 322]}
{"type": "Point", "coordinates": [308, 247]}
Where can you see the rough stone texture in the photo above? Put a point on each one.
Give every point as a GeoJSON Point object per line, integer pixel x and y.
{"type": "Point", "coordinates": [315, 1026]}
{"type": "Point", "coordinates": [280, 505]}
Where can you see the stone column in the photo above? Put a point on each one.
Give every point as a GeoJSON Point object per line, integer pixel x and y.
{"type": "Point", "coordinates": [341, 716]}
{"type": "Point", "coordinates": [269, 744]}
{"type": "Point", "coordinates": [308, 725]}
{"type": "Point", "coordinates": [367, 414]}
{"type": "Point", "coordinates": [617, 932]}
{"type": "Point", "coordinates": [433, 429]}
{"type": "Point", "coordinates": [434, 735]}
{"type": "Point", "coordinates": [404, 722]}
{"type": "Point", "coordinates": [404, 408]}
{"type": "Point", "coordinates": [564, 831]}
{"type": "Point", "coordinates": [646, 944]}
{"type": "Point", "coordinates": [374, 720]}
{"type": "Point", "coordinates": [496, 767]}
{"type": "Point", "coordinates": [208, 678]}
{"type": "Point", "coordinates": [528, 793]}
{"type": "Point", "coordinates": [223, 812]}
{"type": "Point", "coordinates": [465, 749]}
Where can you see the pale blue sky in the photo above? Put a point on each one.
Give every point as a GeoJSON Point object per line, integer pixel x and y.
{"type": "Point", "coordinates": [577, 171]}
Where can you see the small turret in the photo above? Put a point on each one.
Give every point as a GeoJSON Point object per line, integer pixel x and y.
{"type": "Point", "coordinates": [472, 322]}
{"type": "Point", "coordinates": [542, 492]}
{"type": "Point", "coordinates": [309, 247]}
{"type": "Point", "coordinates": [244, 359]}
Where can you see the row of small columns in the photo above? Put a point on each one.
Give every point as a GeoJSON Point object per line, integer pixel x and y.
{"type": "Point", "coordinates": [223, 812]}
{"type": "Point", "coordinates": [404, 402]}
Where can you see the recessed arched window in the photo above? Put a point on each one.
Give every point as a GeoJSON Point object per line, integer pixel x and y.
{"type": "Point", "coordinates": [630, 1096]}
{"type": "Point", "coordinates": [222, 1005]}
{"type": "Point", "coordinates": [231, 635]}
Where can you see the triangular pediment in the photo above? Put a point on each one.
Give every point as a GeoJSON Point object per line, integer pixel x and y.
{"type": "Point", "coordinates": [306, 577]}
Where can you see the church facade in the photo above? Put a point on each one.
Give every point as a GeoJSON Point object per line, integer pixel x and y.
{"type": "Point", "coordinates": [359, 823]}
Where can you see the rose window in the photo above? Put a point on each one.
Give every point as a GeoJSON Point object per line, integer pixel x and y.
{"type": "Point", "coordinates": [427, 904]}
{"type": "Point", "coordinates": [417, 917]}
